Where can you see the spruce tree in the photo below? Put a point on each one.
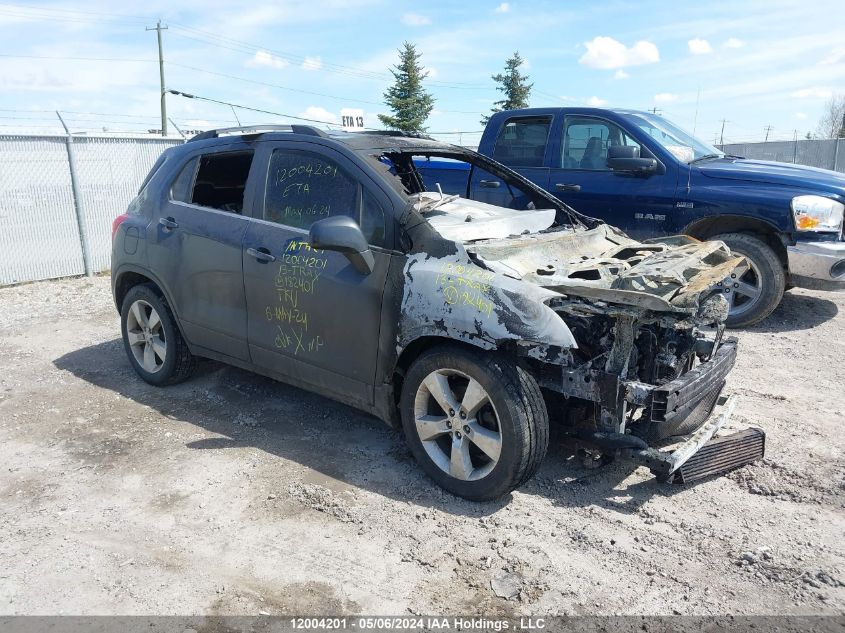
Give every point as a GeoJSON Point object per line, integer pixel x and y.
{"type": "Point", "coordinates": [515, 86]}
{"type": "Point", "coordinates": [407, 98]}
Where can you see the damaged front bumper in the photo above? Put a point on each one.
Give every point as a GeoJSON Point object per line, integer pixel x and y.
{"type": "Point", "coordinates": [701, 455]}
{"type": "Point", "coordinates": [696, 392]}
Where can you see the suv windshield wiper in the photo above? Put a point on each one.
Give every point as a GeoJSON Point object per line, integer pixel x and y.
{"type": "Point", "coordinates": [705, 157]}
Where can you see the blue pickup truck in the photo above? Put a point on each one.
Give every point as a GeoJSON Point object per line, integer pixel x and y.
{"type": "Point", "coordinates": [640, 172]}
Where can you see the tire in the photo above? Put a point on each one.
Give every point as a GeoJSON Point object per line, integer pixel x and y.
{"type": "Point", "coordinates": [766, 276]}
{"type": "Point", "coordinates": [147, 323]}
{"type": "Point", "coordinates": [511, 408]}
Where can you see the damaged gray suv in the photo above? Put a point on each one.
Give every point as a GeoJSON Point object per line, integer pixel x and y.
{"type": "Point", "coordinates": [327, 261]}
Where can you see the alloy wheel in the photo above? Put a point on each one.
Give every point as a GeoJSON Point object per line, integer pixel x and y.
{"type": "Point", "coordinates": [457, 424]}
{"type": "Point", "coordinates": [146, 336]}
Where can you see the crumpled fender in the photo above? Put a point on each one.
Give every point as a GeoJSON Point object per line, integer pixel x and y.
{"type": "Point", "coordinates": [452, 297]}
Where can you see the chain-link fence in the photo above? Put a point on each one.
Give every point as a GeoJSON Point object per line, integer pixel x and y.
{"type": "Point", "coordinates": [824, 153]}
{"type": "Point", "coordinates": [46, 207]}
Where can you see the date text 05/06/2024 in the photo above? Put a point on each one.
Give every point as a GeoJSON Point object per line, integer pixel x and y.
{"type": "Point", "coordinates": [414, 623]}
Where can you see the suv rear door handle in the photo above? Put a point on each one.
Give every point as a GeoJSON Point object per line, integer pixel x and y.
{"type": "Point", "coordinates": [168, 223]}
{"type": "Point", "coordinates": [567, 187]}
{"type": "Point", "coordinates": [261, 254]}
{"type": "Point", "coordinates": [490, 184]}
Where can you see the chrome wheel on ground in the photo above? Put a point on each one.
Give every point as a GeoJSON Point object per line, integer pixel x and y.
{"type": "Point", "coordinates": [146, 336]}
{"type": "Point", "coordinates": [457, 424]}
{"type": "Point", "coordinates": [743, 293]}
{"type": "Point", "coordinates": [756, 293]}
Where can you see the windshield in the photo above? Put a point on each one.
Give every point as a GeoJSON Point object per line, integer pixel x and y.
{"type": "Point", "coordinates": [681, 144]}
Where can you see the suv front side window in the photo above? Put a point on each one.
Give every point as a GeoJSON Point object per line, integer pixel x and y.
{"type": "Point", "coordinates": [303, 187]}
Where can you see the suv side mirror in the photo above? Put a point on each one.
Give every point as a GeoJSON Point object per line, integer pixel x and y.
{"type": "Point", "coordinates": [627, 158]}
{"type": "Point", "coordinates": [342, 234]}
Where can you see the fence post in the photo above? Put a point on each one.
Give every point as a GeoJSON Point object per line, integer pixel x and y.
{"type": "Point", "coordinates": [836, 155]}
{"type": "Point", "coordinates": [77, 201]}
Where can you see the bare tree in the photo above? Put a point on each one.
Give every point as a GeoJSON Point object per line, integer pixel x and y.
{"type": "Point", "coordinates": [832, 123]}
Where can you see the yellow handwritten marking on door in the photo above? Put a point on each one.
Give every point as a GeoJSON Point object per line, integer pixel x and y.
{"type": "Point", "coordinates": [297, 341]}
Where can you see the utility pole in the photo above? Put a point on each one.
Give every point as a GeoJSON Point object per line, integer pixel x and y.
{"type": "Point", "coordinates": [768, 129]}
{"type": "Point", "coordinates": [722, 135]}
{"type": "Point", "coordinates": [654, 110]}
{"type": "Point", "coordinates": [159, 28]}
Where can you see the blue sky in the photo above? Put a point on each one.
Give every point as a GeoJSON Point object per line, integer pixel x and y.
{"type": "Point", "coordinates": [755, 64]}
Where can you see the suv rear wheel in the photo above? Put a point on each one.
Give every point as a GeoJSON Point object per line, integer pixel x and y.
{"type": "Point", "coordinates": [152, 340]}
{"type": "Point", "coordinates": [476, 423]}
{"type": "Point", "coordinates": [759, 290]}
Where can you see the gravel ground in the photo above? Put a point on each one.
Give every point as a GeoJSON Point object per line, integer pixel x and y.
{"type": "Point", "coordinates": [234, 494]}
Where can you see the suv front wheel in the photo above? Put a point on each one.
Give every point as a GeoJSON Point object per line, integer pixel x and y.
{"type": "Point", "coordinates": [475, 422]}
{"type": "Point", "coordinates": [152, 340]}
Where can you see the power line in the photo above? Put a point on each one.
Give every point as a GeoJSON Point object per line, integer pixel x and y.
{"type": "Point", "coordinates": [76, 59]}
{"type": "Point", "coordinates": [281, 114]}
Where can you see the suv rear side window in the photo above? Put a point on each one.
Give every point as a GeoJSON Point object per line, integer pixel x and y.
{"type": "Point", "coordinates": [522, 141]}
{"type": "Point", "coordinates": [303, 187]}
{"type": "Point", "coordinates": [220, 181]}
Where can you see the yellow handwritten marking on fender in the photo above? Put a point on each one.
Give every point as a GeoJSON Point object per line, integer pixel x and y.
{"type": "Point", "coordinates": [465, 285]}
{"type": "Point", "coordinates": [477, 300]}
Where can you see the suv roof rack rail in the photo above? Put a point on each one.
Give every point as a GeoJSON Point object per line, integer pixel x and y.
{"type": "Point", "coordinates": [396, 133]}
{"type": "Point", "coordinates": [308, 130]}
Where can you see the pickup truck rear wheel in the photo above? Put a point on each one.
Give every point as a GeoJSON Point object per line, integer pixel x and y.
{"type": "Point", "coordinates": [759, 290]}
{"type": "Point", "coordinates": [476, 423]}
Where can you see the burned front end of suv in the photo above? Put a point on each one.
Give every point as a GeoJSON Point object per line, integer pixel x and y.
{"type": "Point", "coordinates": [650, 359]}
{"type": "Point", "coordinates": [625, 338]}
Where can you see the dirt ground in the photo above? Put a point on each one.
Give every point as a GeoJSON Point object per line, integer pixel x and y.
{"type": "Point", "coordinates": [234, 494]}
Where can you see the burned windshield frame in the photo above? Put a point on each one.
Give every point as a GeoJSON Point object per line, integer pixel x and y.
{"type": "Point", "coordinates": [386, 159]}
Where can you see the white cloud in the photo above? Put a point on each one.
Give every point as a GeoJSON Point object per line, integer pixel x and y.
{"type": "Point", "coordinates": [733, 42]}
{"type": "Point", "coordinates": [415, 19]}
{"type": "Point", "coordinates": [503, 8]}
{"type": "Point", "coordinates": [263, 58]}
{"type": "Point", "coordinates": [596, 102]}
{"type": "Point", "coordinates": [698, 46]}
{"type": "Point", "coordinates": [319, 114]}
{"type": "Point", "coordinates": [836, 55]}
{"type": "Point", "coordinates": [312, 63]}
{"type": "Point", "coordinates": [800, 115]}
{"type": "Point", "coordinates": [608, 53]}
{"type": "Point", "coordinates": [815, 92]}
{"type": "Point", "coordinates": [620, 74]}
{"type": "Point", "coordinates": [665, 97]}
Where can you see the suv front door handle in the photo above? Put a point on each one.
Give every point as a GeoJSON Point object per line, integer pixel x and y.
{"type": "Point", "coordinates": [490, 184]}
{"type": "Point", "coordinates": [567, 187]}
{"type": "Point", "coordinates": [168, 223]}
{"type": "Point", "coordinates": [261, 254]}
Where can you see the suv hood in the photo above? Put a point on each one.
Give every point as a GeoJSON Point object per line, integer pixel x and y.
{"type": "Point", "coordinates": [678, 274]}
{"type": "Point", "coordinates": [762, 171]}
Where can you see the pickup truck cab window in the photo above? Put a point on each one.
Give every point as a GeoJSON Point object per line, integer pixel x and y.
{"type": "Point", "coordinates": [303, 187]}
{"type": "Point", "coordinates": [522, 141]}
{"type": "Point", "coordinates": [586, 140]}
